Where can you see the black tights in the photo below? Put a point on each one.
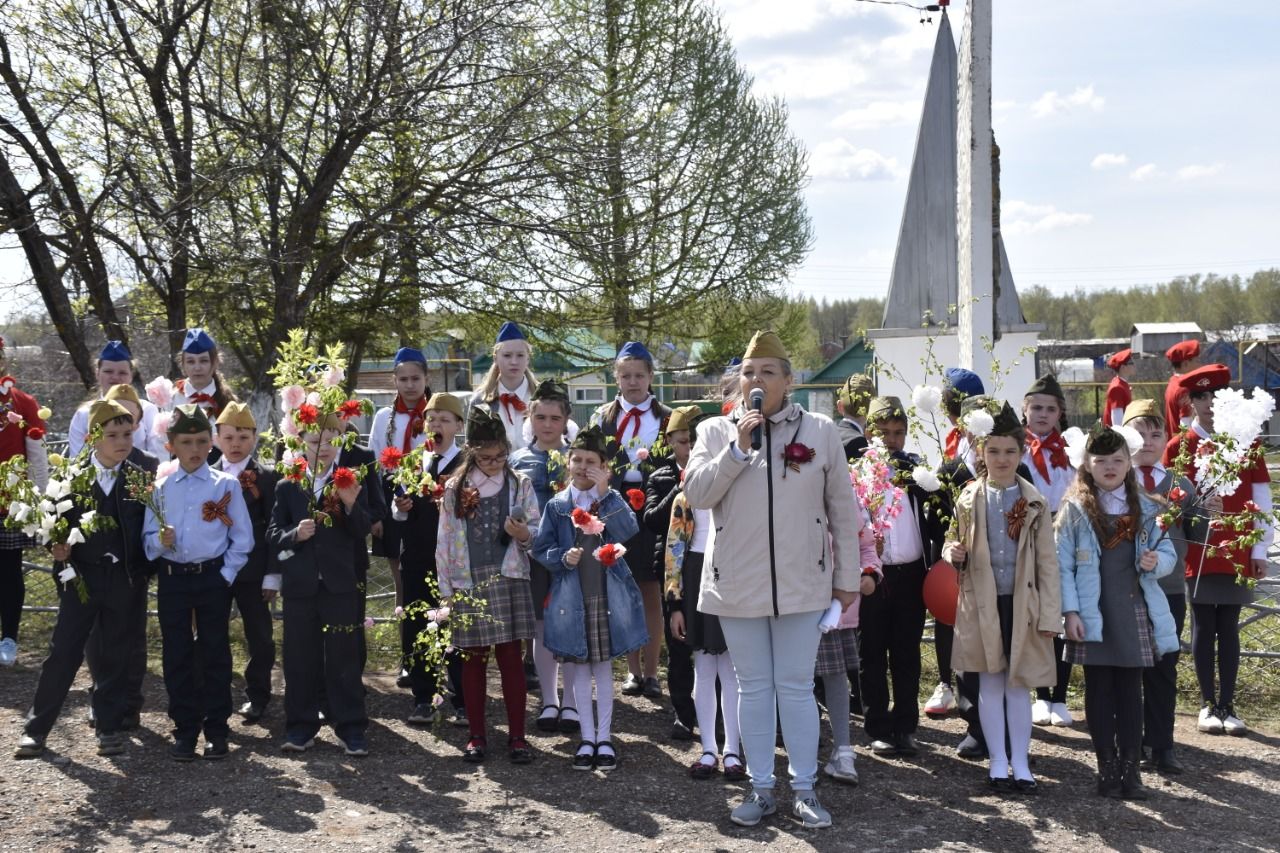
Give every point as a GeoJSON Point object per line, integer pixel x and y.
{"type": "Point", "coordinates": [1057, 693]}
{"type": "Point", "coordinates": [1113, 707]}
{"type": "Point", "coordinates": [1220, 624]}
{"type": "Point", "coordinates": [13, 591]}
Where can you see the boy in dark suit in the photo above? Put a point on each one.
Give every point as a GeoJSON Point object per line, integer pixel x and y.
{"type": "Point", "coordinates": [323, 594]}
{"type": "Point", "coordinates": [111, 563]}
{"type": "Point", "coordinates": [258, 582]}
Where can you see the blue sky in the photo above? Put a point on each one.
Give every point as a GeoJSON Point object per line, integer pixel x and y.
{"type": "Point", "coordinates": [1139, 140]}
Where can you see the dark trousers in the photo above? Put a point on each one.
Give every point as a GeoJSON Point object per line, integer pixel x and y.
{"type": "Point", "coordinates": [967, 705]}
{"type": "Point", "coordinates": [197, 669]}
{"type": "Point", "coordinates": [424, 680]}
{"type": "Point", "coordinates": [1215, 637]}
{"type": "Point", "coordinates": [890, 627]}
{"type": "Point", "coordinates": [114, 609]}
{"type": "Point", "coordinates": [1113, 707]}
{"type": "Point", "coordinates": [679, 673]}
{"type": "Point", "coordinates": [944, 637]}
{"type": "Point", "coordinates": [13, 592]}
{"type": "Point", "coordinates": [255, 616]}
{"type": "Point", "coordinates": [1160, 688]}
{"type": "Point", "coordinates": [1057, 693]}
{"type": "Point", "coordinates": [98, 650]}
{"type": "Point", "coordinates": [322, 651]}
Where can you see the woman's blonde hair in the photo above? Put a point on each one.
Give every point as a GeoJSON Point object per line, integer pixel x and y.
{"type": "Point", "coordinates": [488, 389]}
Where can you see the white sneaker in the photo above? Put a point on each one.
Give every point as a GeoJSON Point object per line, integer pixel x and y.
{"type": "Point", "coordinates": [1059, 715]}
{"type": "Point", "coordinates": [1210, 723]}
{"type": "Point", "coordinates": [8, 651]}
{"type": "Point", "coordinates": [941, 702]}
{"type": "Point", "coordinates": [1231, 724]}
{"type": "Point", "coordinates": [841, 766]}
{"type": "Point", "coordinates": [1040, 713]}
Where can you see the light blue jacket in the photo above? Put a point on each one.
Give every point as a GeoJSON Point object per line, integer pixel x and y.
{"type": "Point", "coordinates": [1079, 553]}
{"type": "Point", "coordinates": [565, 631]}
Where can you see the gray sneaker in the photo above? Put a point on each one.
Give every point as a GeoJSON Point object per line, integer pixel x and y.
{"type": "Point", "coordinates": [841, 766]}
{"type": "Point", "coordinates": [811, 813]}
{"type": "Point", "coordinates": [757, 806]}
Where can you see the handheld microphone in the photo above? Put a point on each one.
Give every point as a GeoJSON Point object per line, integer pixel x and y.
{"type": "Point", "coordinates": [757, 403]}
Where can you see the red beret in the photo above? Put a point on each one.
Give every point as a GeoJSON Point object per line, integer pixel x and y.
{"type": "Point", "coordinates": [1211, 377]}
{"type": "Point", "coordinates": [1120, 359]}
{"type": "Point", "coordinates": [1183, 351]}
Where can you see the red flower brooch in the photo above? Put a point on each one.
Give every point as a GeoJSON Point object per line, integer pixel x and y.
{"type": "Point", "coordinates": [796, 454]}
{"type": "Point", "coordinates": [636, 498]}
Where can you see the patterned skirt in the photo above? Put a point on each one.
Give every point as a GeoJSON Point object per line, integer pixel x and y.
{"type": "Point", "coordinates": [1099, 654]}
{"type": "Point", "coordinates": [505, 616]}
{"type": "Point", "coordinates": [837, 652]}
{"type": "Point", "coordinates": [598, 644]}
{"type": "Point", "coordinates": [12, 540]}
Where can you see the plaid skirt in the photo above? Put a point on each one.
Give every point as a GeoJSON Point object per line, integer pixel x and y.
{"type": "Point", "coordinates": [1102, 654]}
{"type": "Point", "coordinates": [11, 540]}
{"type": "Point", "coordinates": [598, 643]}
{"type": "Point", "coordinates": [837, 652]}
{"type": "Point", "coordinates": [505, 616]}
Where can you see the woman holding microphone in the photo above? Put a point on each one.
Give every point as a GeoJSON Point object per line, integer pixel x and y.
{"type": "Point", "coordinates": [785, 551]}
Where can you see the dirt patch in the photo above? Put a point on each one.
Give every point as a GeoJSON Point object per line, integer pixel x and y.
{"type": "Point", "coordinates": [415, 793]}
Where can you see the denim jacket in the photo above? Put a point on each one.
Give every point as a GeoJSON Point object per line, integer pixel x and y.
{"type": "Point", "coordinates": [1079, 554]}
{"type": "Point", "coordinates": [565, 631]}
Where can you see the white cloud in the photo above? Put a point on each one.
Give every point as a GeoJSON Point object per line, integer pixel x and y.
{"type": "Point", "coordinates": [1145, 172]}
{"type": "Point", "coordinates": [1106, 161]}
{"type": "Point", "coordinates": [1190, 173]}
{"type": "Point", "coordinates": [1020, 217]}
{"type": "Point", "coordinates": [1051, 102]}
{"type": "Point", "coordinates": [879, 114]}
{"type": "Point", "coordinates": [839, 159]}
{"type": "Point", "coordinates": [810, 79]}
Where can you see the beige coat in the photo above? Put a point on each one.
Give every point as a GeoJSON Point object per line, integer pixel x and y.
{"type": "Point", "coordinates": [814, 520]}
{"type": "Point", "coordinates": [1037, 595]}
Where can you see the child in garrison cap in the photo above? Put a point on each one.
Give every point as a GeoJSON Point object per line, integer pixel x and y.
{"type": "Point", "coordinates": [115, 367]}
{"type": "Point", "coordinates": [113, 568]}
{"type": "Point", "coordinates": [1119, 394]}
{"type": "Point", "coordinates": [507, 389]}
{"type": "Point", "coordinates": [258, 583]}
{"type": "Point", "coordinates": [205, 540]}
{"type": "Point", "coordinates": [1183, 357]}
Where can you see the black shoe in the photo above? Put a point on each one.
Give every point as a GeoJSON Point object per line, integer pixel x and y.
{"type": "Point", "coordinates": [251, 712]}
{"type": "Point", "coordinates": [632, 686]}
{"type": "Point", "coordinates": [91, 718]}
{"type": "Point", "coordinates": [651, 688]}
{"type": "Point", "coordinates": [1109, 775]}
{"type": "Point", "coordinates": [519, 752]}
{"type": "Point", "coordinates": [404, 682]}
{"type": "Point", "coordinates": [1026, 786]}
{"type": "Point", "coordinates": [679, 731]}
{"type": "Point", "coordinates": [884, 747]}
{"type": "Point", "coordinates": [216, 749]}
{"type": "Point", "coordinates": [131, 722]}
{"type": "Point", "coordinates": [110, 744]}
{"type": "Point", "coordinates": [906, 745]}
{"type": "Point", "coordinates": [569, 725]}
{"type": "Point", "coordinates": [1001, 785]}
{"type": "Point", "coordinates": [585, 757]}
{"type": "Point", "coordinates": [1148, 760]}
{"type": "Point", "coordinates": [1166, 762]}
{"type": "Point", "coordinates": [547, 721]}
{"type": "Point", "coordinates": [606, 761]}
{"type": "Point", "coordinates": [1131, 787]}
{"type": "Point", "coordinates": [474, 752]}
{"type": "Point", "coordinates": [29, 746]}
{"type": "Point", "coordinates": [971, 749]}
{"type": "Point", "coordinates": [532, 684]}
{"type": "Point", "coordinates": [183, 750]}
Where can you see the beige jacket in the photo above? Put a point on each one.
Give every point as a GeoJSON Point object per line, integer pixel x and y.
{"type": "Point", "coordinates": [1037, 595]}
{"type": "Point", "coordinates": [781, 550]}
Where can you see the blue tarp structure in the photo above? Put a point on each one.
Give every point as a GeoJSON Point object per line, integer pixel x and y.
{"type": "Point", "coordinates": [1259, 369]}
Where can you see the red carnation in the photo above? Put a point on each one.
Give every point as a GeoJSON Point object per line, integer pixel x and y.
{"type": "Point", "coordinates": [298, 470]}
{"type": "Point", "coordinates": [35, 433]}
{"type": "Point", "coordinates": [1163, 523]}
{"type": "Point", "coordinates": [350, 409]}
{"type": "Point", "coordinates": [306, 414]}
{"type": "Point", "coordinates": [580, 517]}
{"type": "Point", "coordinates": [1250, 506]}
{"type": "Point", "coordinates": [1176, 494]}
{"type": "Point", "coordinates": [609, 554]}
{"type": "Point", "coordinates": [636, 497]}
{"type": "Point", "coordinates": [344, 478]}
{"type": "Point", "coordinates": [391, 458]}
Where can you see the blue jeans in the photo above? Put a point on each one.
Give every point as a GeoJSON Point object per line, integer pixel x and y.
{"type": "Point", "coordinates": [774, 658]}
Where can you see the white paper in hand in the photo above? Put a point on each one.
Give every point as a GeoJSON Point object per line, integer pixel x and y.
{"type": "Point", "coordinates": [66, 574]}
{"type": "Point", "coordinates": [831, 618]}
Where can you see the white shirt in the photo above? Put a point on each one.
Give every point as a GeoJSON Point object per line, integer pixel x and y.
{"type": "Point", "coordinates": [512, 420]}
{"type": "Point", "coordinates": [107, 477]}
{"type": "Point", "coordinates": [181, 397]}
{"type": "Point", "coordinates": [1060, 479]}
{"type": "Point", "coordinates": [318, 485]}
{"type": "Point", "coordinates": [378, 431]}
{"type": "Point", "coordinates": [633, 441]}
{"type": "Point", "coordinates": [235, 469]}
{"type": "Point", "coordinates": [1114, 502]}
{"type": "Point", "coordinates": [583, 500]}
{"type": "Point", "coordinates": [902, 542]}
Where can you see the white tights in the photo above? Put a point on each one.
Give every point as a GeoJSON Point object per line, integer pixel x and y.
{"type": "Point", "coordinates": [549, 671]}
{"type": "Point", "coordinates": [999, 703]}
{"type": "Point", "coordinates": [706, 668]}
{"type": "Point", "coordinates": [595, 726]}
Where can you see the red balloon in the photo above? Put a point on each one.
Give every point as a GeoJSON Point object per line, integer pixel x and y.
{"type": "Point", "coordinates": [942, 592]}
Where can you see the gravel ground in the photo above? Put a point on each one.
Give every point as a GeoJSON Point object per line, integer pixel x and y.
{"type": "Point", "coordinates": [415, 793]}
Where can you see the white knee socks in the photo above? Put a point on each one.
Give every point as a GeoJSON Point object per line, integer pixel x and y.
{"type": "Point", "coordinates": [1000, 705]}
{"type": "Point", "coordinates": [706, 668]}
{"type": "Point", "coordinates": [595, 726]}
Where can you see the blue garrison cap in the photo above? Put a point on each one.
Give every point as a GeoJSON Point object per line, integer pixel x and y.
{"type": "Point", "coordinates": [409, 354]}
{"type": "Point", "coordinates": [197, 341]}
{"type": "Point", "coordinates": [965, 381]}
{"type": "Point", "coordinates": [115, 351]}
{"type": "Point", "coordinates": [635, 349]}
{"type": "Point", "coordinates": [509, 332]}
